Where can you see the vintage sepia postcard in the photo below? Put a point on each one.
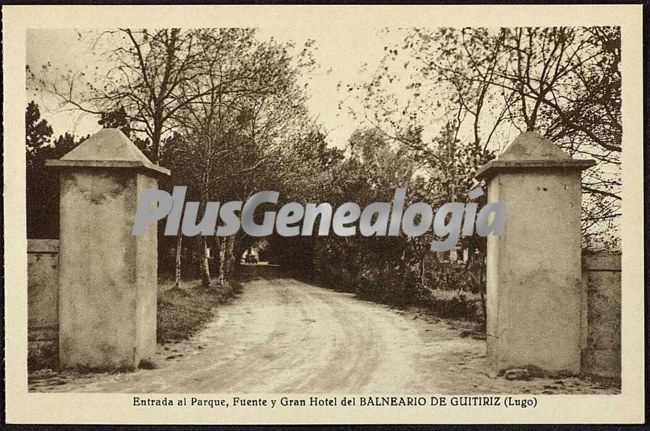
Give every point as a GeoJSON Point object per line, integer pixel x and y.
{"type": "Point", "coordinates": [323, 214]}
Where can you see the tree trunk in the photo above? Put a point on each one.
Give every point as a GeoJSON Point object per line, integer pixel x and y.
{"type": "Point", "coordinates": [155, 139]}
{"type": "Point", "coordinates": [179, 248]}
{"type": "Point", "coordinates": [222, 261]}
{"type": "Point", "coordinates": [230, 256]}
{"type": "Point", "coordinates": [238, 251]}
{"type": "Point", "coordinates": [204, 264]}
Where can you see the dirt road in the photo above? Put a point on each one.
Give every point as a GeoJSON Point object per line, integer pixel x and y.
{"type": "Point", "coordinates": [285, 336]}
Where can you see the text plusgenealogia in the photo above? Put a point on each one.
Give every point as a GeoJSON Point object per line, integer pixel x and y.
{"type": "Point", "coordinates": [451, 221]}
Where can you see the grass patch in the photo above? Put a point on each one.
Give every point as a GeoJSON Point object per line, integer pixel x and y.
{"type": "Point", "coordinates": [182, 312]}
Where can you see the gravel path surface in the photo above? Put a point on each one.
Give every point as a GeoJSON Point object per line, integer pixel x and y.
{"type": "Point", "coordinates": [284, 336]}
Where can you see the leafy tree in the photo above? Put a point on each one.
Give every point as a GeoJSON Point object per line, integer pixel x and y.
{"type": "Point", "coordinates": [563, 82]}
{"type": "Point", "coordinates": [246, 107]}
{"type": "Point", "coordinates": [140, 77]}
{"type": "Point", "coordinates": [42, 203]}
{"type": "Point", "coordinates": [42, 185]}
{"type": "Point", "coordinates": [37, 130]}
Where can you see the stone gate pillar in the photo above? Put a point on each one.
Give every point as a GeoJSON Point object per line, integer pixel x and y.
{"type": "Point", "coordinates": [534, 269]}
{"type": "Point", "coordinates": [107, 276]}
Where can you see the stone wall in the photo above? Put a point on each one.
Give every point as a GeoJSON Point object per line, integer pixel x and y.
{"type": "Point", "coordinates": [42, 294]}
{"type": "Point", "coordinates": [601, 275]}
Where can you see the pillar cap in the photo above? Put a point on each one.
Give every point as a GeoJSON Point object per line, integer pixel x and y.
{"type": "Point", "coordinates": [531, 150]}
{"type": "Point", "coordinates": [108, 148]}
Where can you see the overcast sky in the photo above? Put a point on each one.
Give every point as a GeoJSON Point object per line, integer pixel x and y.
{"type": "Point", "coordinates": [339, 54]}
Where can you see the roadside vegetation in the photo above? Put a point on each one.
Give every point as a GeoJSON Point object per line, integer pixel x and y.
{"type": "Point", "coordinates": [182, 311]}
